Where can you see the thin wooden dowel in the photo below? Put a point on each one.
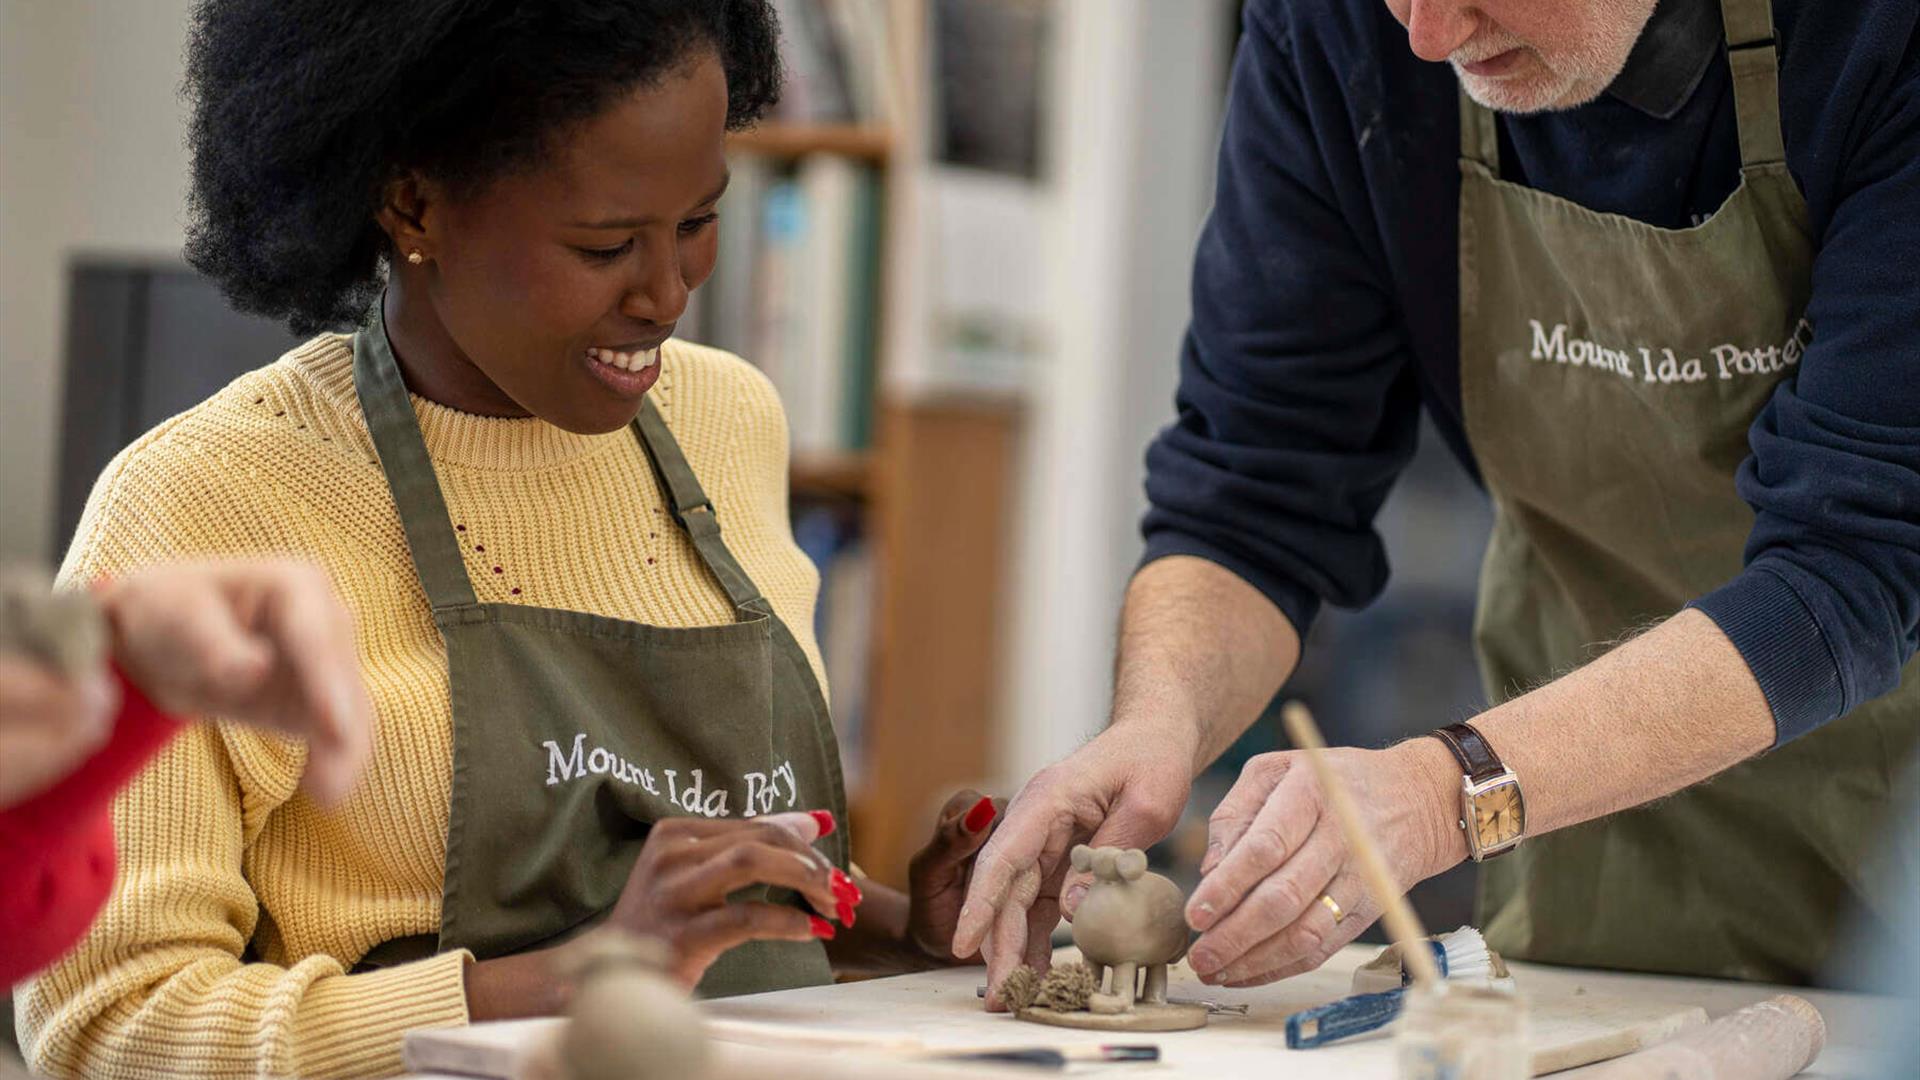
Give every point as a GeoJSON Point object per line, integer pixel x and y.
{"type": "Point", "coordinates": [1402, 924]}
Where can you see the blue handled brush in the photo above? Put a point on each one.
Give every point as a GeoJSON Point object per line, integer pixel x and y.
{"type": "Point", "coordinates": [1462, 956]}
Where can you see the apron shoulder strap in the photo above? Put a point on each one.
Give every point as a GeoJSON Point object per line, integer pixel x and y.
{"type": "Point", "coordinates": [694, 511]}
{"type": "Point", "coordinates": [403, 457]}
{"type": "Point", "coordinates": [1755, 61]}
{"type": "Point", "coordinates": [1479, 135]}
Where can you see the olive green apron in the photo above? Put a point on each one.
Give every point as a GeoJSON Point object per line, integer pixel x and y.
{"type": "Point", "coordinates": [573, 732]}
{"type": "Point", "coordinates": [1609, 373]}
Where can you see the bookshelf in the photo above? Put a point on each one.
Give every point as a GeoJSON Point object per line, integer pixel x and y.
{"type": "Point", "coordinates": [918, 485]}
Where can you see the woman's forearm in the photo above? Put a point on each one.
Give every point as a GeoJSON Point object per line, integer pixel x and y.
{"type": "Point", "coordinates": [1667, 709]}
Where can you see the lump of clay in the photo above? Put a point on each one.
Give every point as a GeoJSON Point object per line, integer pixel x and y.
{"type": "Point", "coordinates": [1130, 920]}
{"type": "Point", "coordinates": [629, 1020]}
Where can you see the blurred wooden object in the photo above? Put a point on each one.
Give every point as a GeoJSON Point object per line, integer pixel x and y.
{"type": "Point", "coordinates": [942, 500]}
{"type": "Point", "coordinates": [934, 493]}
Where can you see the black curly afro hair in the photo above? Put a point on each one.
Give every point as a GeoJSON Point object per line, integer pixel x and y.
{"type": "Point", "coordinates": [303, 111]}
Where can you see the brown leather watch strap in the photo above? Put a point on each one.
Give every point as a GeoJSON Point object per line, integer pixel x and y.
{"type": "Point", "coordinates": [1473, 752]}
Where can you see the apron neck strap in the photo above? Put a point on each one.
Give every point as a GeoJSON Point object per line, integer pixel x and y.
{"type": "Point", "coordinates": [1753, 59]}
{"type": "Point", "coordinates": [694, 511]}
{"type": "Point", "coordinates": [1479, 134]}
{"type": "Point", "coordinates": [403, 457]}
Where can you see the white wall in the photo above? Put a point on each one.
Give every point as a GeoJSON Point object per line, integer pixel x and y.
{"type": "Point", "coordinates": [91, 158]}
{"type": "Point", "coordinates": [1136, 106]}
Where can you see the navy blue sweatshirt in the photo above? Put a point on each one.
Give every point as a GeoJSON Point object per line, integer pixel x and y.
{"type": "Point", "coordinates": [1325, 317]}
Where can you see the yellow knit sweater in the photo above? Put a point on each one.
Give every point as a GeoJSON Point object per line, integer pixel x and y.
{"type": "Point", "coordinates": [219, 853]}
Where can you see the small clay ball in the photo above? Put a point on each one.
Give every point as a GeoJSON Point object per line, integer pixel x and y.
{"type": "Point", "coordinates": [1067, 988]}
{"type": "Point", "coordinates": [1019, 987]}
{"type": "Point", "coordinates": [634, 1024]}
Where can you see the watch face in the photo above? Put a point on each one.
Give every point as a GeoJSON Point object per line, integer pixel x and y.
{"type": "Point", "coordinates": [1498, 815]}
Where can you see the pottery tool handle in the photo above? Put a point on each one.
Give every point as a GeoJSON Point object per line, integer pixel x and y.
{"type": "Point", "coordinates": [1349, 1016]}
{"type": "Point", "coordinates": [1402, 924]}
{"type": "Point", "coordinates": [1771, 1040]}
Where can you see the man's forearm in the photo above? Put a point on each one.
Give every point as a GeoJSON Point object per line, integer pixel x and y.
{"type": "Point", "coordinates": [1201, 654]}
{"type": "Point", "coordinates": [1667, 709]}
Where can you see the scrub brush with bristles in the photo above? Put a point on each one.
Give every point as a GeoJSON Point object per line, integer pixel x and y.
{"type": "Point", "coordinates": [1380, 988]}
{"type": "Point", "coordinates": [1463, 957]}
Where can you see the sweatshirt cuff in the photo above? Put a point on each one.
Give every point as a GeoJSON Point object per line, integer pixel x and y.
{"type": "Point", "coordinates": [1783, 646]}
{"type": "Point", "coordinates": [1295, 601]}
{"type": "Point", "coordinates": [354, 1025]}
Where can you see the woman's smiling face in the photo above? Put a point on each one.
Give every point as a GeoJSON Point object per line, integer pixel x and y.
{"type": "Point", "coordinates": [553, 286]}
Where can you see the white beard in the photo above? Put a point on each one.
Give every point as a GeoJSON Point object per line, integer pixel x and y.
{"type": "Point", "coordinates": [1573, 78]}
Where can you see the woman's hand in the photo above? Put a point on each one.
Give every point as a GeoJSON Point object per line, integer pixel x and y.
{"type": "Point", "coordinates": [1274, 849]}
{"type": "Point", "coordinates": [677, 890]}
{"type": "Point", "coordinates": [676, 893]}
{"type": "Point", "coordinates": [49, 724]}
{"type": "Point", "coordinates": [938, 874]}
{"type": "Point", "coordinates": [262, 642]}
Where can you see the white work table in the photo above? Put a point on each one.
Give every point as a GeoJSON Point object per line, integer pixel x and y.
{"type": "Point", "coordinates": [940, 1009]}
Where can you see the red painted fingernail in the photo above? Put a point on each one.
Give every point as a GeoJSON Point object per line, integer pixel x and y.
{"type": "Point", "coordinates": [821, 928]}
{"type": "Point", "coordinates": [839, 879]}
{"type": "Point", "coordinates": [823, 818]}
{"type": "Point", "coordinates": [978, 817]}
{"type": "Point", "coordinates": [845, 909]}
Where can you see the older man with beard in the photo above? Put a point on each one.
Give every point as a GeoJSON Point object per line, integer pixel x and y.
{"type": "Point", "coordinates": [1649, 268]}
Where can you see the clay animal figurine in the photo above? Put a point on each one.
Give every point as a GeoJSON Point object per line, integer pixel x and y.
{"type": "Point", "coordinates": [1130, 919]}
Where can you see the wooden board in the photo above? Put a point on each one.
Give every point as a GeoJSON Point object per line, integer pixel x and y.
{"type": "Point", "coordinates": [940, 1009]}
{"type": "Point", "coordinates": [934, 1010]}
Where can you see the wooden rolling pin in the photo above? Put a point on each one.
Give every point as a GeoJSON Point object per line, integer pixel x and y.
{"type": "Point", "coordinates": [1771, 1040]}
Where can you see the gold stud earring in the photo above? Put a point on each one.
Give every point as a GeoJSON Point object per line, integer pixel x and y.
{"type": "Point", "coordinates": [415, 257]}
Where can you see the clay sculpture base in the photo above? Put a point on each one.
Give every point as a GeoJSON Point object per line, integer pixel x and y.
{"type": "Point", "coordinates": [1144, 1016]}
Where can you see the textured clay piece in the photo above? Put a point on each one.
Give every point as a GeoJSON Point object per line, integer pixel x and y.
{"type": "Point", "coordinates": [61, 629]}
{"type": "Point", "coordinates": [1020, 988]}
{"type": "Point", "coordinates": [1067, 988]}
{"type": "Point", "coordinates": [1130, 920]}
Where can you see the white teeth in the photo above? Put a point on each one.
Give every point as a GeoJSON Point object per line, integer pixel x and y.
{"type": "Point", "coordinates": [623, 360]}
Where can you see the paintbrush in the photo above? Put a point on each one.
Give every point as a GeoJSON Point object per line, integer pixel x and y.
{"type": "Point", "coordinates": [1053, 1057]}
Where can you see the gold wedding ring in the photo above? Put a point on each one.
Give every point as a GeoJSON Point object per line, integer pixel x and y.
{"type": "Point", "coordinates": [1338, 915]}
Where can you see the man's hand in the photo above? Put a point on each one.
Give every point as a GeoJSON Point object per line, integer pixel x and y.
{"type": "Point", "coordinates": [264, 643]}
{"type": "Point", "coordinates": [1123, 789]}
{"type": "Point", "coordinates": [1274, 849]}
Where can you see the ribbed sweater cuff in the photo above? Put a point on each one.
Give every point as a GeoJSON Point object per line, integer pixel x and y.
{"type": "Point", "coordinates": [351, 1025]}
{"type": "Point", "coordinates": [1783, 646]}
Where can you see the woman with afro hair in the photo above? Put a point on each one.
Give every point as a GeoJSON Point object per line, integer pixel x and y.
{"type": "Point", "coordinates": [562, 533]}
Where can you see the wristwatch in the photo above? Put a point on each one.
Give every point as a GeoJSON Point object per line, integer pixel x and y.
{"type": "Point", "coordinates": [1492, 812]}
